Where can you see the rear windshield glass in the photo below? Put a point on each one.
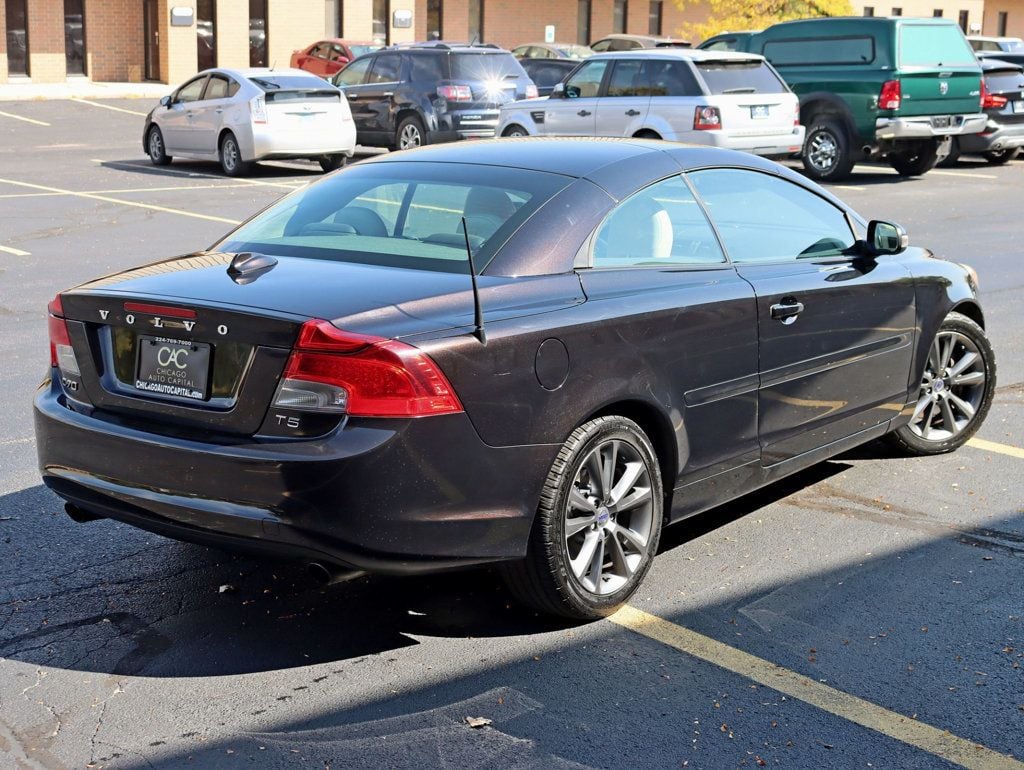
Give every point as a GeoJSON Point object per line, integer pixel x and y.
{"type": "Point", "coordinates": [742, 77]}
{"type": "Point", "coordinates": [934, 45]}
{"type": "Point", "coordinates": [400, 214]}
{"type": "Point", "coordinates": [485, 66]}
{"type": "Point", "coordinates": [287, 82]}
{"type": "Point", "coordinates": [291, 89]}
{"type": "Point", "coordinates": [1004, 81]}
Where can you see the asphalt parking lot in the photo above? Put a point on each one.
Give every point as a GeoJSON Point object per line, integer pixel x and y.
{"type": "Point", "coordinates": [864, 613]}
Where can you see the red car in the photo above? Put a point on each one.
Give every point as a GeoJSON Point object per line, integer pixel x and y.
{"type": "Point", "coordinates": [327, 57]}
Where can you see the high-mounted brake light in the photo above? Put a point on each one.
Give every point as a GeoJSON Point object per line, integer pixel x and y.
{"type": "Point", "coordinates": [159, 310]}
{"type": "Point", "coordinates": [706, 119]}
{"type": "Point", "coordinates": [890, 96]}
{"type": "Point", "coordinates": [989, 100]}
{"type": "Point", "coordinates": [331, 370]}
{"type": "Point", "coordinates": [62, 355]}
{"type": "Point", "coordinates": [456, 93]}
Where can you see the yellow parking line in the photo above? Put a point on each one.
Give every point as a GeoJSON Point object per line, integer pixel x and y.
{"type": "Point", "coordinates": [992, 446]}
{"type": "Point", "coordinates": [940, 743]}
{"type": "Point", "coordinates": [14, 251]}
{"type": "Point", "coordinates": [122, 202]}
{"type": "Point", "coordinates": [22, 117]}
{"type": "Point", "coordinates": [970, 174]}
{"type": "Point", "coordinates": [108, 106]}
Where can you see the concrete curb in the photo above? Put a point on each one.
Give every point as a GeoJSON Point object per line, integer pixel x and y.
{"type": "Point", "coordinates": [80, 88]}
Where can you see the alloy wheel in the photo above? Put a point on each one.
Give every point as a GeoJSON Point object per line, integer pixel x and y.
{"type": "Point", "coordinates": [952, 388]}
{"type": "Point", "coordinates": [156, 145]}
{"type": "Point", "coordinates": [609, 517]}
{"type": "Point", "coordinates": [230, 154]}
{"type": "Point", "coordinates": [410, 137]}
{"type": "Point", "coordinates": [822, 151]}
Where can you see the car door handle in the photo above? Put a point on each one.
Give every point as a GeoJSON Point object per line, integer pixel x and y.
{"type": "Point", "coordinates": [787, 310]}
{"type": "Point", "coordinates": [632, 113]}
{"type": "Point", "coordinates": [583, 113]}
{"type": "Point", "coordinates": [388, 93]}
{"type": "Point", "coordinates": [219, 110]}
{"type": "Point", "coordinates": [350, 95]}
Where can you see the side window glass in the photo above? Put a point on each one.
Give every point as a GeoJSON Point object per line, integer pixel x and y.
{"type": "Point", "coordinates": [425, 68]}
{"type": "Point", "coordinates": [763, 218]}
{"type": "Point", "coordinates": [233, 88]}
{"type": "Point", "coordinates": [660, 225]}
{"type": "Point", "coordinates": [216, 88]}
{"type": "Point", "coordinates": [587, 80]}
{"type": "Point", "coordinates": [385, 69]}
{"type": "Point", "coordinates": [601, 46]}
{"type": "Point", "coordinates": [191, 91]}
{"type": "Point", "coordinates": [521, 52]}
{"type": "Point", "coordinates": [671, 78]}
{"type": "Point", "coordinates": [354, 73]}
{"type": "Point", "coordinates": [626, 79]}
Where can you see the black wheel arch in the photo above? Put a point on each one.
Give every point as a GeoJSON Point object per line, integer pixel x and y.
{"type": "Point", "coordinates": [825, 103]}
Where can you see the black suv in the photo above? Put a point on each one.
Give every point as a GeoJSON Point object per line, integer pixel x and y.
{"type": "Point", "coordinates": [405, 96]}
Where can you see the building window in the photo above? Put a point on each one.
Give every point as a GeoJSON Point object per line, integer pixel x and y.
{"type": "Point", "coordinates": [17, 37]}
{"type": "Point", "coordinates": [206, 34]}
{"type": "Point", "coordinates": [1000, 25]}
{"type": "Point", "coordinates": [869, 10]}
{"type": "Point", "coordinates": [381, 28]}
{"type": "Point", "coordinates": [964, 20]}
{"type": "Point", "coordinates": [476, 21]}
{"type": "Point", "coordinates": [620, 13]}
{"type": "Point", "coordinates": [654, 18]}
{"type": "Point", "coordinates": [74, 36]}
{"type": "Point", "coordinates": [583, 22]}
{"type": "Point", "coordinates": [258, 33]}
{"type": "Point", "coordinates": [897, 11]}
{"type": "Point", "coordinates": [435, 20]}
{"type": "Point", "coordinates": [937, 13]}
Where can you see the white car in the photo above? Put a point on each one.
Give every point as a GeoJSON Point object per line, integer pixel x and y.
{"type": "Point", "coordinates": [246, 115]}
{"type": "Point", "coordinates": [719, 98]}
{"type": "Point", "coordinates": [1003, 44]}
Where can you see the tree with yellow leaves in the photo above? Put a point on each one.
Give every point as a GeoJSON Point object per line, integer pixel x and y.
{"type": "Point", "coordinates": [741, 15]}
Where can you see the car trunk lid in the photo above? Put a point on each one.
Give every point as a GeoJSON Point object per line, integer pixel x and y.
{"type": "Point", "coordinates": [938, 72]}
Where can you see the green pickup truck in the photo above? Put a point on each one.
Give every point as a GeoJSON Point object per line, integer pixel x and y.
{"type": "Point", "coordinates": [870, 87]}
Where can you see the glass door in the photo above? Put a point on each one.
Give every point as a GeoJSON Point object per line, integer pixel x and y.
{"type": "Point", "coordinates": [74, 36]}
{"type": "Point", "coordinates": [151, 29]}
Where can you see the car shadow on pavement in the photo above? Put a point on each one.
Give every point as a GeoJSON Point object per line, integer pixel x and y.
{"type": "Point", "coordinates": [190, 168]}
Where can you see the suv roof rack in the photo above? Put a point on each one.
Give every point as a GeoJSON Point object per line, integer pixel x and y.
{"type": "Point", "coordinates": [445, 45]}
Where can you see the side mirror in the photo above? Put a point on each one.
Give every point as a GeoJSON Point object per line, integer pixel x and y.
{"type": "Point", "coordinates": [558, 92]}
{"type": "Point", "coordinates": [886, 238]}
{"type": "Point", "coordinates": [165, 101]}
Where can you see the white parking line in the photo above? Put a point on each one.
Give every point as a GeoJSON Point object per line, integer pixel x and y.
{"type": "Point", "coordinates": [22, 117]}
{"type": "Point", "coordinates": [14, 251]}
{"type": "Point", "coordinates": [108, 106]}
{"type": "Point", "coordinates": [972, 175]}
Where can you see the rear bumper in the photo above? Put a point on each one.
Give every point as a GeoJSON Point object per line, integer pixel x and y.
{"type": "Point", "coordinates": [389, 496]}
{"type": "Point", "coordinates": [925, 127]}
{"type": "Point", "coordinates": [465, 124]}
{"type": "Point", "coordinates": [766, 145]}
{"type": "Point", "coordinates": [268, 143]}
{"type": "Point", "coordinates": [1002, 138]}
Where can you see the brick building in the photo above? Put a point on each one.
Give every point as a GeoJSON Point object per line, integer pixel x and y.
{"type": "Point", "coordinates": [168, 40]}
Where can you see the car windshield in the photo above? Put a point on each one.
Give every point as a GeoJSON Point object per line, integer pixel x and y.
{"type": "Point", "coordinates": [486, 66]}
{"type": "Point", "coordinates": [400, 214]}
{"type": "Point", "coordinates": [934, 45]}
{"type": "Point", "coordinates": [740, 77]}
{"type": "Point", "coordinates": [359, 50]}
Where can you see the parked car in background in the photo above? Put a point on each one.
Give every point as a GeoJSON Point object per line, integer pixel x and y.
{"type": "Point", "coordinates": [727, 41]}
{"type": "Point", "coordinates": [1003, 103]}
{"type": "Point", "coordinates": [622, 42]}
{"type": "Point", "coordinates": [328, 57]}
{"type": "Point", "coordinates": [1012, 58]}
{"type": "Point", "coordinates": [1006, 44]}
{"type": "Point", "coordinates": [424, 93]}
{"type": "Point", "coordinates": [552, 51]}
{"type": "Point", "coordinates": [240, 116]}
{"type": "Point", "coordinates": [870, 88]}
{"type": "Point", "coordinates": [547, 73]}
{"type": "Point", "coordinates": [667, 328]}
{"type": "Point", "coordinates": [724, 99]}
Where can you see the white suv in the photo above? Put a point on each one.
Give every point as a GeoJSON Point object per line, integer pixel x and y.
{"type": "Point", "coordinates": [721, 98]}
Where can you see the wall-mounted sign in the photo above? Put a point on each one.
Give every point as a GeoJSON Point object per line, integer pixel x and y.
{"type": "Point", "coordinates": [549, 33]}
{"type": "Point", "coordinates": [401, 19]}
{"type": "Point", "coordinates": [182, 16]}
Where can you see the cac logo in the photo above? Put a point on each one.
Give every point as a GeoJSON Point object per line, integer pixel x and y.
{"type": "Point", "coordinates": [166, 356]}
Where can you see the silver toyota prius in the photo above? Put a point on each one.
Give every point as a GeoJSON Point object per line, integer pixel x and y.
{"type": "Point", "coordinates": [240, 116]}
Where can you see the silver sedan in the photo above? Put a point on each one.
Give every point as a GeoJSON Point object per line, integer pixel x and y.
{"type": "Point", "coordinates": [242, 116]}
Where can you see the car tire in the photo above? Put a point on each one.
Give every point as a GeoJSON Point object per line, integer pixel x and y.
{"type": "Point", "coordinates": [954, 154]}
{"type": "Point", "coordinates": [826, 156]}
{"type": "Point", "coordinates": [410, 134]}
{"type": "Point", "coordinates": [155, 147]}
{"type": "Point", "coordinates": [333, 162]}
{"type": "Point", "coordinates": [231, 157]}
{"type": "Point", "coordinates": [515, 130]}
{"type": "Point", "coordinates": [581, 516]}
{"type": "Point", "coordinates": [957, 388]}
{"type": "Point", "coordinates": [917, 161]}
{"type": "Point", "coordinates": [999, 157]}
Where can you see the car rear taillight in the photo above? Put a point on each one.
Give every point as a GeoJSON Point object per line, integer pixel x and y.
{"type": "Point", "coordinates": [796, 115]}
{"type": "Point", "coordinates": [990, 101]}
{"type": "Point", "coordinates": [707, 119]}
{"type": "Point", "coordinates": [62, 355]}
{"type": "Point", "coordinates": [456, 93]}
{"type": "Point", "coordinates": [532, 92]}
{"type": "Point", "coordinates": [331, 370]}
{"type": "Point", "coordinates": [258, 109]}
{"type": "Point", "coordinates": [890, 96]}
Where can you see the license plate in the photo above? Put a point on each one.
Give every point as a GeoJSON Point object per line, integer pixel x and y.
{"type": "Point", "coordinates": [1018, 106]}
{"type": "Point", "coordinates": [942, 122]}
{"type": "Point", "coordinates": [759, 111]}
{"type": "Point", "coordinates": [173, 367]}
